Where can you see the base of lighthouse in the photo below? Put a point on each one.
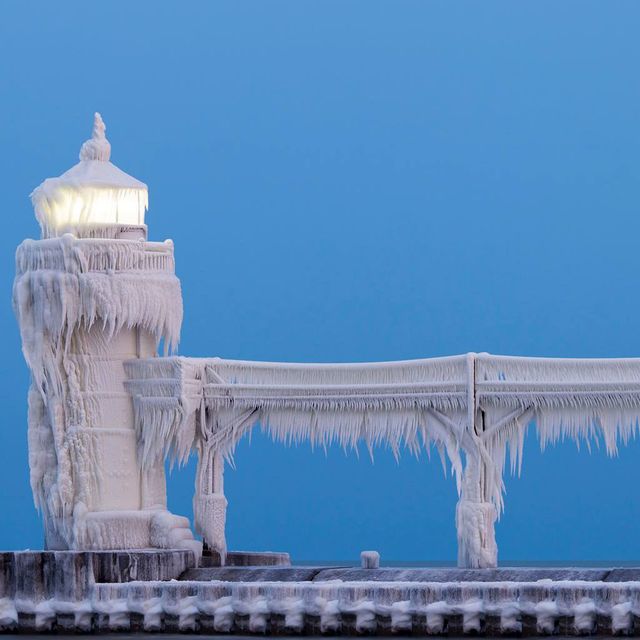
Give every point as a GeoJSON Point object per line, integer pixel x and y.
{"type": "Point", "coordinates": [120, 505]}
{"type": "Point", "coordinates": [137, 529]}
{"type": "Point", "coordinates": [129, 507]}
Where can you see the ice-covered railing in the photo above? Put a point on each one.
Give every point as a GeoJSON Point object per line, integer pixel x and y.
{"type": "Point", "coordinates": [84, 255]}
{"type": "Point", "coordinates": [604, 391]}
{"type": "Point", "coordinates": [583, 399]}
{"type": "Point", "coordinates": [207, 405]}
{"type": "Point", "coordinates": [473, 408]}
{"type": "Point", "coordinates": [121, 283]}
{"type": "Point", "coordinates": [390, 403]}
{"type": "Point", "coordinates": [580, 399]}
{"type": "Point", "coordinates": [395, 402]}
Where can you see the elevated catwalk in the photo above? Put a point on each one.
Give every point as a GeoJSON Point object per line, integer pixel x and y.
{"type": "Point", "coordinates": [164, 591]}
{"type": "Point", "coordinates": [474, 409]}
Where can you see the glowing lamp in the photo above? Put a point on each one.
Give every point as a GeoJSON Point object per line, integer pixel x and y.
{"type": "Point", "coordinates": [92, 198]}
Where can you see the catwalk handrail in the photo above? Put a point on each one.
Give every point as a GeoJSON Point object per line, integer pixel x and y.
{"type": "Point", "coordinates": [474, 408]}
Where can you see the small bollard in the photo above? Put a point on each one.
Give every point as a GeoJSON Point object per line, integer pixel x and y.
{"type": "Point", "coordinates": [370, 560]}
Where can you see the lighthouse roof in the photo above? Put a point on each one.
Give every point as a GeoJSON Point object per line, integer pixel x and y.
{"type": "Point", "coordinates": [93, 193]}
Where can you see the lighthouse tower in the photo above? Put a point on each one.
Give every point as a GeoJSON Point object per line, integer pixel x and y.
{"type": "Point", "coordinates": [90, 295]}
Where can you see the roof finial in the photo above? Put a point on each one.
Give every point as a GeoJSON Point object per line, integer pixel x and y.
{"type": "Point", "coordinates": [98, 147]}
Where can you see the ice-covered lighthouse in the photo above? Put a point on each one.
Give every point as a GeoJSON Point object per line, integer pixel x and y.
{"type": "Point", "coordinates": [94, 301]}
{"type": "Point", "coordinates": [90, 294]}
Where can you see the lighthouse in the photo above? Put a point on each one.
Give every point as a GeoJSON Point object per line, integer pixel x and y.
{"type": "Point", "coordinates": [91, 294]}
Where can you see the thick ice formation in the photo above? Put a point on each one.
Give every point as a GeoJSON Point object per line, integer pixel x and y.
{"type": "Point", "coordinates": [571, 607]}
{"type": "Point", "coordinates": [474, 408]}
{"type": "Point", "coordinates": [207, 405]}
{"type": "Point", "coordinates": [93, 193]}
{"type": "Point", "coordinates": [73, 297]}
{"type": "Point", "coordinates": [401, 403]}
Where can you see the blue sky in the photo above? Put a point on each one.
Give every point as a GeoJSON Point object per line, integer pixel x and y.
{"type": "Point", "coordinates": [356, 181]}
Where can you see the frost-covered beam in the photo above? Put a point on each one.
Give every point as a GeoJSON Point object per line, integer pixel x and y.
{"type": "Point", "coordinates": [582, 399]}
{"type": "Point", "coordinates": [384, 403]}
{"type": "Point", "coordinates": [207, 405]}
{"type": "Point", "coordinates": [579, 399]}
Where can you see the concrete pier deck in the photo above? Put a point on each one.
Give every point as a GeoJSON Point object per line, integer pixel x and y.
{"type": "Point", "coordinates": [164, 591]}
{"type": "Point", "coordinates": [406, 574]}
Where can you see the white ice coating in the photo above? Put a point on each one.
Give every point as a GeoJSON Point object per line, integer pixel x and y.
{"type": "Point", "coordinates": [93, 193]}
{"type": "Point", "coordinates": [369, 559]}
{"type": "Point", "coordinates": [97, 147]}
{"type": "Point", "coordinates": [66, 283]}
{"type": "Point", "coordinates": [73, 297]}
{"type": "Point", "coordinates": [402, 404]}
{"type": "Point", "coordinates": [365, 607]}
{"type": "Point", "coordinates": [474, 408]}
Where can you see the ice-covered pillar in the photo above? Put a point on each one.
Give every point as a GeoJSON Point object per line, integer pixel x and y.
{"type": "Point", "coordinates": [218, 428]}
{"type": "Point", "coordinates": [90, 295]}
{"type": "Point", "coordinates": [475, 520]}
{"type": "Point", "coordinates": [209, 501]}
{"type": "Point", "coordinates": [476, 513]}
